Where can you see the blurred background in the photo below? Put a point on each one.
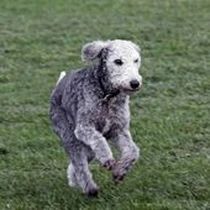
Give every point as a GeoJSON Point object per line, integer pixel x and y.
{"type": "Point", "coordinates": [170, 117]}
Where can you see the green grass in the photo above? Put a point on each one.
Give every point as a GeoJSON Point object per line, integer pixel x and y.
{"type": "Point", "coordinates": [170, 117]}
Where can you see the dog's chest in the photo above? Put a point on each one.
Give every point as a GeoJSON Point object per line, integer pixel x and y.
{"type": "Point", "coordinates": [110, 116]}
{"type": "Point", "coordinates": [107, 121]}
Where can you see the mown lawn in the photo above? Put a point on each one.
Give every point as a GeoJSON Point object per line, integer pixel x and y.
{"type": "Point", "coordinates": [170, 117]}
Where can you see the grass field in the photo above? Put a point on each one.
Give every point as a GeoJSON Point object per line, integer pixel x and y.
{"type": "Point", "coordinates": [170, 117]}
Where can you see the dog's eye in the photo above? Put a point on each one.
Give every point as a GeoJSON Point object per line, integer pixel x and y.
{"type": "Point", "coordinates": [119, 62]}
{"type": "Point", "coordinates": [136, 61]}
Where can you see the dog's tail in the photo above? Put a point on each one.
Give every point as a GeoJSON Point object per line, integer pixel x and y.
{"type": "Point", "coordinates": [62, 75]}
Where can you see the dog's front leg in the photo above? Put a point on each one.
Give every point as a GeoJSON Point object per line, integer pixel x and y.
{"type": "Point", "coordinates": [129, 154]}
{"type": "Point", "coordinates": [95, 140]}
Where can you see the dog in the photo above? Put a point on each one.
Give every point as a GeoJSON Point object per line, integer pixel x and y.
{"type": "Point", "coordinates": [90, 107]}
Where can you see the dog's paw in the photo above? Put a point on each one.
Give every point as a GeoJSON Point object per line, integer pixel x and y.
{"type": "Point", "coordinates": [118, 176]}
{"type": "Point", "coordinates": [93, 192]}
{"type": "Point", "coordinates": [118, 172]}
{"type": "Point", "coordinates": [91, 189]}
{"type": "Point", "coordinates": [109, 164]}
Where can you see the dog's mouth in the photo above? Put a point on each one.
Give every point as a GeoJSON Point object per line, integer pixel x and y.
{"type": "Point", "coordinates": [130, 91]}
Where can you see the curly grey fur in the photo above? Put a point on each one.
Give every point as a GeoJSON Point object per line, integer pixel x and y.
{"type": "Point", "coordinates": [86, 110]}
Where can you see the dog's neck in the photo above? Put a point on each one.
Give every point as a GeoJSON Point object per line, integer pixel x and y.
{"type": "Point", "coordinates": [105, 85]}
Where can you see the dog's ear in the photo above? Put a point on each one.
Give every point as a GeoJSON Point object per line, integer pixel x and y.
{"type": "Point", "coordinates": [91, 51]}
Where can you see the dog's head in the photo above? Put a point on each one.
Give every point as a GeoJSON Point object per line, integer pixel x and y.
{"type": "Point", "coordinates": [121, 59]}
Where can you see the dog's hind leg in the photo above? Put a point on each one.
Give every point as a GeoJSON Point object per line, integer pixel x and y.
{"type": "Point", "coordinates": [71, 175]}
{"type": "Point", "coordinates": [80, 173]}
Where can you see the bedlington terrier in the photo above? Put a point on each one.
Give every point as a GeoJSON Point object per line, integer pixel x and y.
{"type": "Point", "coordinates": [91, 106]}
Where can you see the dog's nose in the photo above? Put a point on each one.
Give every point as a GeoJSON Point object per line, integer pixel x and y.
{"type": "Point", "coordinates": [134, 84]}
